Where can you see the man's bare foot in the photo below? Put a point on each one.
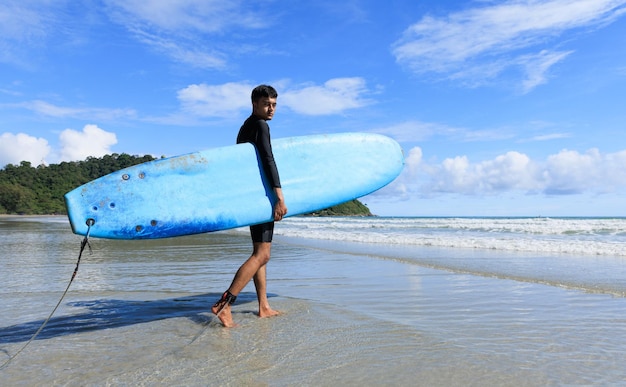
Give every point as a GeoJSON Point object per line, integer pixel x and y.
{"type": "Point", "coordinates": [268, 312]}
{"type": "Point", "coordinates": [222, 309]}
{"type": "Point", "coordinates": [224, 315]}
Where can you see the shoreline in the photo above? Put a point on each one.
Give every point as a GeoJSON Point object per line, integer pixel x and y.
{"type": "Point", "coordinates": [31, 216]}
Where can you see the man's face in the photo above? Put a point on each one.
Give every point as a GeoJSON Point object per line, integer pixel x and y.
{"type": "Point", "coordinates": [264, 108]}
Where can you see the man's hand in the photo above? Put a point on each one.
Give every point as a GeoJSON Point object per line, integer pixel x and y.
{"type": "Point", "coordinates": [280, 208]}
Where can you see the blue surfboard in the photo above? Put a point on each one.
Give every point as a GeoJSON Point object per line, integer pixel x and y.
{"type": "Point", "coordinates": [225, 187]}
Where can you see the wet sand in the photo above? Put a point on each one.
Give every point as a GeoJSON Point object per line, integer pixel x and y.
{"type": "Point", "coordinates": [138, 314]}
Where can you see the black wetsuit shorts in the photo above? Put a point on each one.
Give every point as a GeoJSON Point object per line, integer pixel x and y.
{"type": "Point", "coordinates": [263, 232]}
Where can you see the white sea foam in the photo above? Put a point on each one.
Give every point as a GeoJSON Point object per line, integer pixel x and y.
{"type": "Point", "coordinates": [580, 236]}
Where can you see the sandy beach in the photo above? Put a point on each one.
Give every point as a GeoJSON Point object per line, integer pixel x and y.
{"type": "Point", "coordinates": [138, 314]}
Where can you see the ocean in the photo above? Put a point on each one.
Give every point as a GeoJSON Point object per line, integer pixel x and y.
{"type": "Point", "coordinates": [365, 301]}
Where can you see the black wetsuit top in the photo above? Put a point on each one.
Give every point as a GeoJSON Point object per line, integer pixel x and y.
{"type": "Point", "coordinates": [256, 131]}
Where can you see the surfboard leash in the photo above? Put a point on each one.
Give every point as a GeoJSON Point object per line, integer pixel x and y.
{"type": "Point", "coordinates": [84, 243]}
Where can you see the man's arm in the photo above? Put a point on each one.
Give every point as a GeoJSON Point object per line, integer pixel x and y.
{"type": "Point", "coordinates": [264, 147]}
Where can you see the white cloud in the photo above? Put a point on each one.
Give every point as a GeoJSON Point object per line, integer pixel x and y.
{"type": "Point", "coordinates": [22, 24]}
{"type": "Point", "coordinates": [208, 16]}
{"type": "Point", "coordinates": [196, 55]}
{"type": "Point", "coordinates": [480, 43]}
{"type": "Point", "coordinates": [215, 100]}
{"type": "Point", "coordinates": [15, 148]}
{"type": "Point", "coordinates": [74, 146]}
{"type": "Point", "coordinates": [100, 114]}
{"type": "Point", "coordinates": [29, 27]}
{"type": "Point", "coordinates": [19, 22]}
{"type": "Point", "coordinates": [91, 141]}
{"type": "Point", "coordinates": [416, 131]}
{"type": "Point", "coordinates": [511, 171]}
{"type": "Point", "coordinates": [413, 159]}
{"type": "Point", "coordinates": [183, 29]}
{"type": "Point", "coordinates": [411, 131]}
{"type": "Point", "coordinates": [333, 97]}
{"type": "Point", "coordinates": [549, 136]}
{"type": "Point", "coordinates": [567, 172]}
{"type": "Point", "coordinates": [573, 172]}
{"type": "Point", "coordinates": [405, 184]}
{"type": "Point", "coordinates": [536, 67]}
{"type": "Point", "coordinates": [178, 29]}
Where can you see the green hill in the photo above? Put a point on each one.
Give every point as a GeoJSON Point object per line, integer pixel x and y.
{"type": "Point", "coordinates": [351, 208]}
{"type": "Point", "coordinates": [28, 190]}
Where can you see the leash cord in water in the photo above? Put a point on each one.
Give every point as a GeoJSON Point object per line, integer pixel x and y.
{"type": "Point", "coordinates": [83, 244]}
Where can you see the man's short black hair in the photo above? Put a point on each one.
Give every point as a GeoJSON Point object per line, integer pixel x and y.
{"type": "Point", "coordinates": [263, 91]}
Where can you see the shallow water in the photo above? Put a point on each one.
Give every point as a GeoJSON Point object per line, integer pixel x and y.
{"type": "Point", "coordinates": [356, 314]}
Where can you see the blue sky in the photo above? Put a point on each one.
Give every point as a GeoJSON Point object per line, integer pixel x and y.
{"type": "Point", "coordinates": [503, 108]}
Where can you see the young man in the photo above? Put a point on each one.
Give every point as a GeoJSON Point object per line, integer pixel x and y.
{"type": "Point", "coordinates": [256, 131]}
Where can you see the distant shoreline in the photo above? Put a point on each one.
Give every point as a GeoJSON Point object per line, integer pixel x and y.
{"type": "Point", "coordinates": [27, 216]}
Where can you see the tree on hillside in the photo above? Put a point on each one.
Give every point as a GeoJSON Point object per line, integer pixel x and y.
{"type": "Point", "coordinates": [15, 199]}
{"type": "Point", "coordinates": [28, 190]}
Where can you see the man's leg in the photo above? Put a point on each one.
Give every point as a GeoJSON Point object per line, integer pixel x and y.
{"type": "Point", "coordinates": [260, 284]}
{"type": "Point", "coordinates": [259, 258]}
